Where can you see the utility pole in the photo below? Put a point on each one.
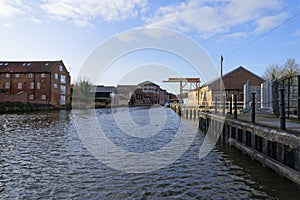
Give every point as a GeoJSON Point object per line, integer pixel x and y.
{"type": "Point", "coordinates": [222, 98]}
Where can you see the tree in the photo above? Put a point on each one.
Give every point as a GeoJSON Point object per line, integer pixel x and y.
{"type": "Point", "coordinates": [273, 72]}
{"type": "Point", "coordinates": [82, 93]}
{"type": "Point", "coordinates": [290, 68]}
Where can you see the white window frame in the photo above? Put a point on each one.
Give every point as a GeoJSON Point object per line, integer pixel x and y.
{"type": "Point", "coordinates": [43, 75]}
{"type": "Point", "coordinates": [38, 85]}
{"type": "Point", "coordinates": [43, 97]}
{"type": "Point", "coordinates": [62, 89]}
{"type": "Point", "coordinates": [55, 85]}
{"type": "Point", "coordinates": [19, 85]}
{"type": "Point", "coordinates": [55, 76]}
{"type": "Point", "coordinates": [63, 79]}
{"type": "Point", "coordinates": [31, 86]}
{"type": "Point", "coordinates": [60, 68]}
{"type": "Point", "coordinates": [7, 75]}
{"type": "Point", "coordinates": [30, 75]}
{"type": "Point", "coordinates": [31, 97]}
{"type": "Point", "coordinates": [17, 75]}
{"type": "Point", "coordinates": [62, 100]}
{"type": "Point", "coordinates": [7, 85]}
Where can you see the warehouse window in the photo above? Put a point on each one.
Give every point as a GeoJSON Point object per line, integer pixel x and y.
{"type": "Point", "coordinates": [7, 85]}
{"type": "Point", "coordinates": [31, 85]}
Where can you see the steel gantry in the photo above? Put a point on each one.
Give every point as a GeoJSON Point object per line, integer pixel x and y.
{"type": "Point", "coordinates": [194, 83]}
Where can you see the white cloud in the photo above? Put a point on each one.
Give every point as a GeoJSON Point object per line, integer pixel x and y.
{"type": "Point", "coordinates": [8, 9]}
{"type": "Point", "coordinates": [7, 26]}
{"type": "Point", "coordinates": [210, 18]}
{"type": "Point", "coordinates": [82, 12]}
{"type": "Point", "coordinates": [296, 34]}
{"type": "Point", "coordinates": [267, 23]}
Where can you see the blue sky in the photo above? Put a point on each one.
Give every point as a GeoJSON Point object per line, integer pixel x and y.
{"type": "Point", "coordinates": [249, 33]}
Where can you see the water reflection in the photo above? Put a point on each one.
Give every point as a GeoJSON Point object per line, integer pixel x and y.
{"type": "Point", "coordinates": [41, 156]}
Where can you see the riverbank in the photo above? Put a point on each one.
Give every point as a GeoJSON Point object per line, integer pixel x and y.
{"type": "Point", "coordinates": [20, 107]}
{"type": "Point", "coordinates": [262, 141]}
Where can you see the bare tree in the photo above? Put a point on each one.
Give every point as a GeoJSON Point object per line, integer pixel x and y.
{"type": "Point", "coordinates": [290, 68]}
{"type": "Point", "coordinates": [82, 93]}
{"type": "Point", "coordinates": [273, 72]}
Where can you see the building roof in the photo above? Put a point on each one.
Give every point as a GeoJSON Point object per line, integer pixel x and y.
{"type": "Point", "coordinates": [236, 78]}
{"type": "Point", "coordinates": [147, 83]}
{"type": "Point", "coordinates": [102, 88]}
{"type": "Point", "coordinates": [29, 66]}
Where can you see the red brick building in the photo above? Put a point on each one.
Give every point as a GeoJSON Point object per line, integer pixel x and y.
{"type": "Point", "coordinates": [37, 82]}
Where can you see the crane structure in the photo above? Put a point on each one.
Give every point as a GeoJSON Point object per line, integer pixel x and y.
{"type": "Point", "coordinates": [194, 83]}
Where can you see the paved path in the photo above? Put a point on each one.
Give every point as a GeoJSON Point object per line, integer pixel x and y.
{"type": "Point", "coordinates": [271, 121]}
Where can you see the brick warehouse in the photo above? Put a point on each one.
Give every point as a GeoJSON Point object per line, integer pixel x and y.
{"type": "Point", "coordinates": [36, 82]}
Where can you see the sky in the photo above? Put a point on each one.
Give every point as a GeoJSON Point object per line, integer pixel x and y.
{"type": "Point", "coordinates": [249, 33]}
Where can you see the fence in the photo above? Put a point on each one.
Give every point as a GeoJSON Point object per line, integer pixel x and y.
{"type": "Point", "coordinates": [291, 86]}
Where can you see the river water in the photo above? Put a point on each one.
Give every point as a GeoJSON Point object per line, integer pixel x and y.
{"type": "Point", "coordinates": [42, 156]}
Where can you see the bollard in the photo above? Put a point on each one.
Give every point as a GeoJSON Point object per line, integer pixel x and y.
{"type": "Point", "coordinates": [230, 105]}
{"type": "Point", "coordinates": [216, 110]}
{"type": "Point", "coordinates": [253, 108]}
{"type": "Point", "coordinates": [235, 106]}
{"type": "Point", "coordinates": [282, 109]}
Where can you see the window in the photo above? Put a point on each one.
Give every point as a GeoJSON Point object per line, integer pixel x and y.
{"type": "Point", "coordinates": [1, 64]}
{"type": "Point", "coordinates": [28, 64]}
{"type": "Point", "coordinates": [42, 75]}
{"type": "Point", "coordinates": [7, 85]}
{"type": "Point", "coordinates": [7, 75]}
{"type": "Point", "coordinates": [38, 86]}
{"type": "Point", "coordinates": [6, 64]}
{"type": "Point", "coordinates": [56, 76]}
{"type": "Point", "coordinates": [55, 85]}
{"type": "Point", "coordinates": [19, 85]}
{"type": "Point", "coordinates": [62, 89]}
{"type": "Point", "coordinates": [31, 85]}
{"type": "Point", "coordinates": [17, 75]}
{"type": "Point", "coordinates": [31, 97]}
{"type": "Point", "coordinates": [43, 97]}
{"type": "Point", "coordinates": [62, 78]}
{"type": "Point", "coordinates": [46, 64]}
{"type": "Point", "coordinates": [30, 75]}
{"type": "Point", "coordinates": [60, 68]}
{"type": "Point", "coordinates": [62, 100]}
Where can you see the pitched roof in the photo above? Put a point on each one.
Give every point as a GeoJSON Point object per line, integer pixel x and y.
{"type": "Point", "coordinates": [102, 88]}
{"type": "Point", "coordinates": [228, 81]}
{"type": "Point", "coordinates": [29, 66]}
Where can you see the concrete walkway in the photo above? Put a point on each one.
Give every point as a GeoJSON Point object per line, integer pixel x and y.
{"type": "Point", "coordinates": [271, 121]}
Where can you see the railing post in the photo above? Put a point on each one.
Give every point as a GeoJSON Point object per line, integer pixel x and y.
{"type": "Point", "coordinates": [235, 106]}
{"type": "Point", "coordinates": [282, 109]}
{"type": "Point", "coordinates": [216, 110]}
{"type": "Point", "coordinates": [253, 108]}
{"type": "Point", "coordinates": [230, 105]}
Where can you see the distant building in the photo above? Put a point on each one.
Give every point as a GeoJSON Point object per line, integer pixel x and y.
{"type": "Point", "coordinates": [233, 81]}
{"type": "Point", "coordinates": [37, 82]}
{"type": "Point", "coordinates": [103, 94]}
{"type": "Point", "coordinates": [145, 93]}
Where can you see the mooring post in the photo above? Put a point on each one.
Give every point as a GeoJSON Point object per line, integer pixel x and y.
{"type": "Point", "coordinates": [282, 109]}
{"type": "Point", "coordinates": [235, 106]}
{"type": "Point", "coordinates": [216, 110]}
{"type": "Point", "coordinates": [253, 108]}
{"type": "Point", "coordinates": [230, 105]}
